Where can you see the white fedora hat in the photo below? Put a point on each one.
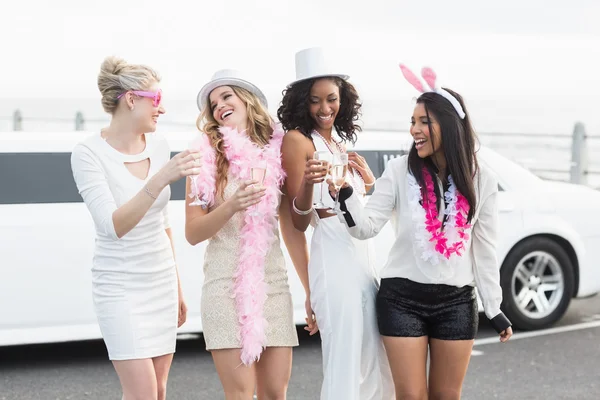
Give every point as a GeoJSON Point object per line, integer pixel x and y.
{"type": "Point", "coordinates": [312, 63]}
{"type": "Point", "coordinates": [228, 77]}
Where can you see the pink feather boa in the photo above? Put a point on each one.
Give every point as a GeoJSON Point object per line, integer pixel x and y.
{"type": "Point", "coordinates": [258, 232]}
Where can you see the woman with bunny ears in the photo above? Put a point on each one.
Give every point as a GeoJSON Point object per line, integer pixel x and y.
{"type": "Point", "coordinates": [444, 210]}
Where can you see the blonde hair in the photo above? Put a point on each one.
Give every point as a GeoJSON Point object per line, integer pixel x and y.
{"type": "Point", "coordinates": [259, 131]}
{"type": "Point", "coordinates": [117, 77]}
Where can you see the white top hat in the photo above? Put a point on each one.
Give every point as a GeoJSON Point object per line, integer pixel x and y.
{"type": "Point", "coordinates": [312, 63]}
{"type": "Point", "coordinates": [228, 77]}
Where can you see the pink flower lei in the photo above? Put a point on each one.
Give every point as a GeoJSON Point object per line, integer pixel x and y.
{"type": "Point", "coordinates": [456, 226]}
{"type": "Point", "coordinates": [257, 233]}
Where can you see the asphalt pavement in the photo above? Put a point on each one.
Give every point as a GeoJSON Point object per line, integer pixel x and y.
{"type": "Point", "coordinates": [560, 363]}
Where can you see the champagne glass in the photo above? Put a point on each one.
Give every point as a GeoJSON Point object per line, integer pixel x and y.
{"type": "Point", "coordinates": [196, 195]}
{"type": "Point", "coordinates": [323, 156]}
{"type": "Point", "coordinates": [258, 171]}
{"type": "Point", "coordinates": [194, 178]}
{"type": "Point", "coordinates": [339, 169]}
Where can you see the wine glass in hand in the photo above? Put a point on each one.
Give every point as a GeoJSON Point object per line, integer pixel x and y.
{"type": "Point", "coordinates": [339, 169]}
{"type": "Point", "coordinates": [195, 146]}
{"type": "Point", "coordinates": [324, 156]}
{"type": "Point", "coordinates": [258, 171]}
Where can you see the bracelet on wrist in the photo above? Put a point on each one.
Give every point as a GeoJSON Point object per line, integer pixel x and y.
{"type": "Point", "coordinates": [149, 193]}
{"type": "Point", "coordinates": [298, 211]}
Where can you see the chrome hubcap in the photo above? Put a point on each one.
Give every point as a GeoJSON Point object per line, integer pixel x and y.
{"type": "Point", "coordinates": [537, 284]}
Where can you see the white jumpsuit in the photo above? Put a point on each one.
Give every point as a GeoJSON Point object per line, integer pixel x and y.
{"type": "Point", "coordinates": [343, 287]}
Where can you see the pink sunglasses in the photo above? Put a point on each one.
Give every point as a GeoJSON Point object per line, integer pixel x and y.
{"type": "Point", "coordinates": [155, 96]}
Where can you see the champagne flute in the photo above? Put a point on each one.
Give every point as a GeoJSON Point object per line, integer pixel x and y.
{"type": "Point", "coordinates": [258, 171]}
{"type": "Point", "coordinates": [323, 156]}
{"type": "Point", "coordinates": [194, 178]}
{"type": "Point", "coordinates": [196, 195]}
{"type": "Point", "coordinates": [339, 169]}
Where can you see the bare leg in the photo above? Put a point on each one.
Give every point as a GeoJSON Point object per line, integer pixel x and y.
{"type": "Point", "coordinates": [273, 373]}
{"type": "Point", "coordinates": [138, 379]}
{"type": "Point", "coordinates": [237, 379]}
{"type": "Point", "coordinates": [162, 365]}
{"type": "Point", "coordinates": [408, 362]}
{"type": "Point", "coordinates": [449, 363]}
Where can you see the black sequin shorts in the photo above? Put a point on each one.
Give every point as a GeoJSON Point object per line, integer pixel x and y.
{"type": "Point", "coordinates": [411, 309]}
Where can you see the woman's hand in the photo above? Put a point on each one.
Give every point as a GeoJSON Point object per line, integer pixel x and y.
{"type": "Point", "coordinates": [182, 311]}
{"type": "Point", "coordinates": [315, 171]}
{"type": "Point", "coordinates": [181, 165]}
{"type": "Point", "coordinates": [332, 190]}
{"type": "Point", "coordinates": [246, 196]}
{"type": "Point", "coordinates": [311, 320]}
{"type": "Point", "coordinates": [506, 334]}
{"type": "Point", "coordinates": [359, 163]}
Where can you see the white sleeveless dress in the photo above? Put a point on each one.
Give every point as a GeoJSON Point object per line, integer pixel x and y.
{"type": "Point", "coordinates": [343, 288]}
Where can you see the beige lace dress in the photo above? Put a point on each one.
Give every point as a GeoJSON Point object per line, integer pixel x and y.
{"type": "Point", "coordinates": [219, 318]}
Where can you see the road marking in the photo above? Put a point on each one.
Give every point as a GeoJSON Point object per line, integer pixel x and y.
{"type": "Point", "coordinates": [543, 332]}
{"type": "Point", "coordinates": [476, 352]}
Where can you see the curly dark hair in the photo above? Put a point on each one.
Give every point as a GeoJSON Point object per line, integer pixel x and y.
{"type": "Point", "coordinates": [293, 113]}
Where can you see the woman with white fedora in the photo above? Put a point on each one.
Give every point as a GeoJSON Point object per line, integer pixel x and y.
{"type": "Point", "coordinates": [319, 110]}
{"type": "Point", "coordinates": [247, 311]}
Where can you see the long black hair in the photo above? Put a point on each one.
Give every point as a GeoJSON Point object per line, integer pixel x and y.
{"type": "Point", "coordinates": [293, 113]}
{"type": "Point", "coordinates": [458, 145]}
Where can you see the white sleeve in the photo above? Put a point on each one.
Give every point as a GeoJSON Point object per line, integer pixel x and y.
{"type": "Point", "coordinates": [92, 185]}
{"type": "Point", "coordinates": [485, 262]}
{"type": "Point", "coordinates": [371, 218]}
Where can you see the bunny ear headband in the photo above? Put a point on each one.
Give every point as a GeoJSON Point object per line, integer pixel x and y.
{"type": "Point", "coordinates": [430, 77]}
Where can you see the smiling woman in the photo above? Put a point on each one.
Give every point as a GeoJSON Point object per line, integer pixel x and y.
{"type": "Point", "coordinates": [123, 174]}
{"type": "Point", "coordinates": [320, 110]}
{"type": "Point", "coordinates": [247, 308]}
{"type": "Point", "coordinates": [444, 209]}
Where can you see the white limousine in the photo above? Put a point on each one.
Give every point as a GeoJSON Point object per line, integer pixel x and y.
{"type": "Point", "coordinates": [547, 250]}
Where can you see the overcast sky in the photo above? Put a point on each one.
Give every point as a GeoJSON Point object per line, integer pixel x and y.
{"type": "Point", "coordinates": [503, 56]}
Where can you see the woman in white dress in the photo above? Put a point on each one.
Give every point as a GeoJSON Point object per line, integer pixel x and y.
{"type": "Point", "coordinates": [319, 111]}
{"type": "Point", "coordinates": [123, 175]}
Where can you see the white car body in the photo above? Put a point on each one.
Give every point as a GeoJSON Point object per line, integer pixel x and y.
{"type": "Point", "coordinates": [46, 247]}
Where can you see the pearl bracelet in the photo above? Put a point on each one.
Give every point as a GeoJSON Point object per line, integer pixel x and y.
{"type": "Point", "coordinates": [300, 212]}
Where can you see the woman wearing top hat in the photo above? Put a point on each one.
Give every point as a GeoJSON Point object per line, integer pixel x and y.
{"type": "Point", "coordinates": [319, 110]}
{"type": "Point", "coordinates": [247, 312]}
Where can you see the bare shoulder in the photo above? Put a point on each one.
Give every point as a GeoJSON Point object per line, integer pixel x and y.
{"type": "Point", "coordinates": [296, 137]}
{"type": "Point", "coordinates": [295, 141]}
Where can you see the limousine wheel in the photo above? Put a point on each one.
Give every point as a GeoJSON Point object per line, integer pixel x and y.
{"type": "Point", "coordinates": [537, 283]}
